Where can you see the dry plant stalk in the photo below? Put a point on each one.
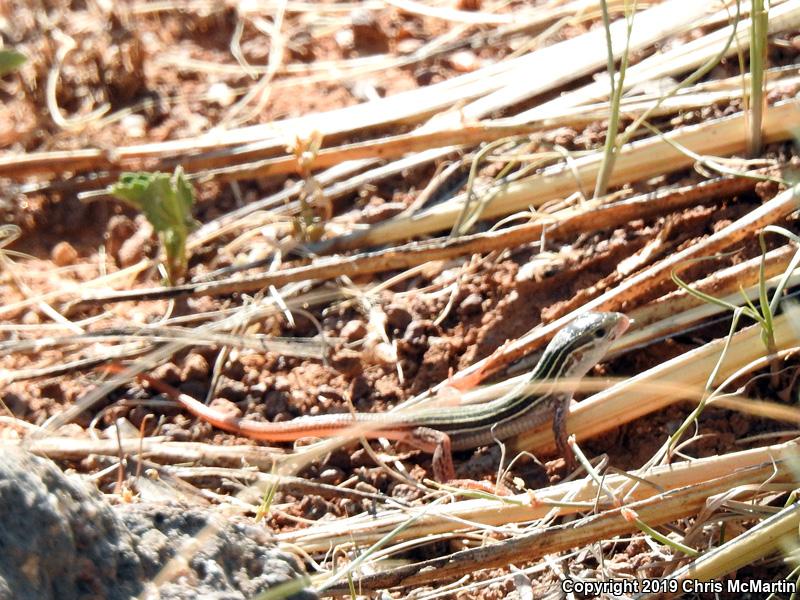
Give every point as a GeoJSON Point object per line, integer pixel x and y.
{"type": "Point", "coordinates": [657, 510]}
{"type": "Point", "coordinates": [495, 86]}
{"type": "Point", "coordinates": [637, 161]}
{"type": "Point", "coordinates": [590, 217]}
{"type": "Point", "coordinates": [65, 448]}
{"type": "Point", "coordinates": [364, 530]}
{"type": "Point", "coordinates": [724, 282]}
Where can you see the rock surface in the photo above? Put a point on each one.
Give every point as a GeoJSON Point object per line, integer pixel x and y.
{"type": "Point", "coordinates": [59, 539]}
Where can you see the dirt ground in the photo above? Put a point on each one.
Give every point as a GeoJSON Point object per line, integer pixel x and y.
{"type": "Point", "coordinates": [158, 72]}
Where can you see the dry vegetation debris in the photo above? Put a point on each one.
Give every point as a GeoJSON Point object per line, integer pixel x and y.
{"type": "Point", "coordinates": [397, 200]}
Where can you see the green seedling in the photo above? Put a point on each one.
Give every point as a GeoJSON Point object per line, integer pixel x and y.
{"type": "Point", "coordinates": [10, 60]}
{"type": "Point", "coordinates": [166, 201]}
{"type": "Point", "coordinates": [764, 315]}
{"type": "Point", "coordinates": [315, 208]}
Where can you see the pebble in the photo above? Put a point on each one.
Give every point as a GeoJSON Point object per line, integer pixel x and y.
{"type": "Point", "coordinates": [195, 367]}
{"type": "Point", "coordinates": [471, 305]}
{"type": "Point", "coordinates": [331, 476]}
{"type": "Point", "coordinates": [397, 317]}
{"type": "Point", "coordinates": [464, 61]}
{"type": "Point", "coordinates": [226, 407]}
{"type": "Point", "coordinates": [327, 391]}
{"type": "Point", "coordinates": [406, 492]}
{"type": "Point", "coordinates": [64, 254]}
{"type": "Point", "coordinates": [363, 486]}
{"type": "Point", "coordinates": [168, 373]}
{"type": "Point", "coordinates": [135, 125]}
{"type": "Point", "coordinates": [119, 229]}
{"type": "Point", "coordinates": [135, 248]}
{"type": "Point", "coordinates": [368, 34]}
{"type": "Point", "coordinates": [354, 330]}
{"type": "Point", "coordinates": [31, 317]}
{"type": "Point", "coordinates": [417, 331]}
{"type": "Point", "coordinates": [221, 93]}
{"type": "Point", "coordinates": [232, 389]}
{"type": "Point", "coordinates": [347, 361]}
{"type": "Point", "coordinates": [282, 384]}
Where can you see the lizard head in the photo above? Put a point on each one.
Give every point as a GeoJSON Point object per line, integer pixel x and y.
{"type": "Point", "coordinates": [581, 344]}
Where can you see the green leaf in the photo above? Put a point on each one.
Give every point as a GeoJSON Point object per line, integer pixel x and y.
{"type": "Point", "coordinates": [166, 201]}
{"type": "Point", "coordinates": [10, 60]}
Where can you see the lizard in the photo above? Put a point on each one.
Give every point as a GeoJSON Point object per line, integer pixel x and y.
{"type": "Point", "coordinates": [573, 351]}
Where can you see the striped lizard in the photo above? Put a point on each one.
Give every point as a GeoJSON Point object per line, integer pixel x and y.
{"type": "Point", "coordinates": [572, 352]}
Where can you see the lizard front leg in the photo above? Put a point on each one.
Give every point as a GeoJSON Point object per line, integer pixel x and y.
{"type": "Point", "coordinates": [560, 412]}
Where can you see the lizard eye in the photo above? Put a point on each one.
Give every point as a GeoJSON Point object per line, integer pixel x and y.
{"type": "Point", "coordinates": [600, 333]}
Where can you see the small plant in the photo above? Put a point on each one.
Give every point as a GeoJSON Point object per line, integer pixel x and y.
{"type": "Point", "coordinates": [768, 306]}
{"type": "Point", "coordinates": [10, 60]}
{"type": "Point", "coordinates": [315, 208]}
{"type": "Point", "coordinates": [166, 201]}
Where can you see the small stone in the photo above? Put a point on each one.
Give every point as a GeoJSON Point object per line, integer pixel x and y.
{"type": "Point", "coordinates": [368, 35]}
{"type": "Point", "coordinates": [354, 330]}
{"type": "Point", "coordinates": [282, 384]}
{"type": "Point", "coordinates": [349, 506]}
{"type": "Point", "coordinates": [195, 367]}
{"type": "Point", "coordinates": [221, 93]}
{"type": "Point", "coordinates": [331, 476]}
{"type": "Point", "coordinates": [313, 507]}
{"type": "Point", "coordinates": [409, 45]}
{"type": "Point", "coordinates": [135, 125]}
{"type": "Point", "coordinates": [406, 492]}
{"type": "Point", "coordinates": [327, 391]}
{"type": "Point", "coordinates": [31, 317]}
{"type": "Point", "coordinates": [471, 305]}
{"type": "Point", "coordinates": [119, 229]}
{"type": "Point", "coordinates": [226, 407]}
{"type": "Point", "coordinates": [232, 389]}
{"type": "Point", "coordinates": [175, 432]}
{"type": "Point", "coordinates": [464, 61]}
{"type": "Point", "coordinates": [258, 391]}
{"type": "Point", "coordinates": [417, 331]}
{"type": "Point", "coordinates": [363, 486]}
{"type": "Point", "coordinates": [64, 254]}
{"type": "Point", "coordinates": [347, 361]}
{"type": "Point", "coordinates": [397, 317]}
{"type": "Point", "coordinates": [168, 373]}
{"type": "Point", "coordinates": [344, 39]}
{"type": "Point", "coordinates": [136, 247]}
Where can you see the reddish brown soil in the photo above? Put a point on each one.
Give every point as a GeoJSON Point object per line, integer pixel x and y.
{"type": "Point", "coordinates": [139, 60]}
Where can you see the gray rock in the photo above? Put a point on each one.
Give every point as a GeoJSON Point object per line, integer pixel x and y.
{"type": "Point", "coordinates": [59, 539]}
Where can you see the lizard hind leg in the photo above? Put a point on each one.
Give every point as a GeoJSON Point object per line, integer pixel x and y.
{"type": "Point", "coordinates": [438, 444]}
